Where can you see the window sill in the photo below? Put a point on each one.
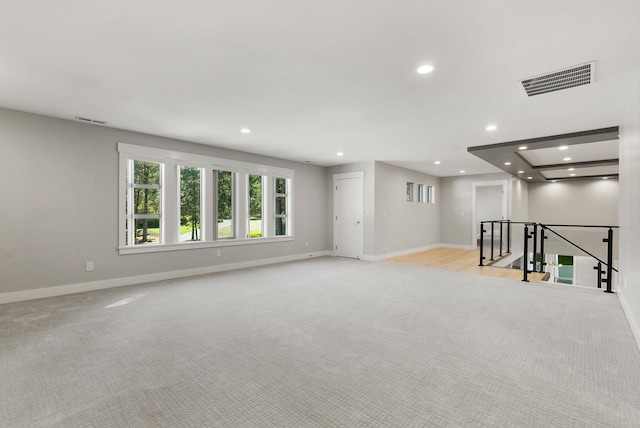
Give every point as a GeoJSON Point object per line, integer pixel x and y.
{"type": "Point", "coordinates": [157, 248]}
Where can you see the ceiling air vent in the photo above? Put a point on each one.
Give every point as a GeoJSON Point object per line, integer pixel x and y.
{"type": "Point", "coordinates": [86, 119]}
{"type": "Point", "coordinates": [558, 80]}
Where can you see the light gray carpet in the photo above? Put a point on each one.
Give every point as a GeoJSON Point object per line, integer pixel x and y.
{"type": "Point", "coordinates": [321, 343]}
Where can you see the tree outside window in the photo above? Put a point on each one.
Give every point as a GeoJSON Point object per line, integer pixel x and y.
{"type": "Point", "coordinates": [255, 206]}
{"type": "Point", "coordinates": [281, 206]}
{"type": "Point", "coordinates": [143, 203]}
{"type": "Point", "coordinates": [190, 205]}
{"type": "Point", "coordinates": [225, 229]}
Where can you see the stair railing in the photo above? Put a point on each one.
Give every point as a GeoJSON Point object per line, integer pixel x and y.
{"type": "Point", "coordinates": [608, 240]}
{"type": "Point", "coordinates": [531, 232]}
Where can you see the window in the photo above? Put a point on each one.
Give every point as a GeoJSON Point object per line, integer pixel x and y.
{"type": "Point", "coordinates": [431, 197]}
{"type": "Point", "coordinates": [143, 193]}
{"type": "Point", "coordinates": [190, 205]}
{"type": "Point", "coordinates": [255, 206]}
{"type": "Point", "coordinates": [409, 191]}
{"type": "Point", "coordinates": [281, 206]}
{"type": "Point", "coordinates": [171, 200]}
{"type": "Point", "coordinates": [420, 193]}
{"type": "Point", "coordinates": [224, 208]}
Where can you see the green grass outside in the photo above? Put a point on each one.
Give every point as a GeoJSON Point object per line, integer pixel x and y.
{"type": "Point", "coordinates": [153, 234]}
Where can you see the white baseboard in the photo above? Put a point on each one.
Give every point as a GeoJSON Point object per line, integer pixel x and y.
{"type": "Point", "coordinates": [61, 290]}
{"type": "Point", "coordinates": [399, 253]}
{"type": "Point", "coordinates": [460, 246]}
{"type": "Point", "coordinates": [415, 250]}
{"type": "Point", "coordinates": [635, 328]}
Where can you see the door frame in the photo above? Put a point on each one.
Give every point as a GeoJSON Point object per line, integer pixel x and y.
{"type": "Point", "coordinates": [505, 203]}
{"type": "Point", "coordinates": [343, 176]}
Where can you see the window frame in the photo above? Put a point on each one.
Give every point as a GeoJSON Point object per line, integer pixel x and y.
{"type": "Point", "coordinates": [170, 160]}
{"type": "Point", "coordinates": [203, 225]}
{"type": "Point", "coordinates": [263, 206]}
{"type": "Point", "coordinates": [410, 189]}
{"type": "Point", "coordinates": [127, 187]}
{"type": "Point", "coordinates": [287, 206]}
{"type": "Point", "coordinates": [216, 209]}
{"type": "Point", "coordinates": [421, 194]}
{"type": "Point", "coordinates": [430, 194]}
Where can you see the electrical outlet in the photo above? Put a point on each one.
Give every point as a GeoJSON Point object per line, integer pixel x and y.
{"type": "Point", "coordinates": [89, 266]}
{"type": "Point", "coordinates": [306, 244]}
{"type": "Point", "coordinates": [219, 253]}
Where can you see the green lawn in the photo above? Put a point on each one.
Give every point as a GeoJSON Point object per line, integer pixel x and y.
{"type": "Point", "coordinates": [153, 234]}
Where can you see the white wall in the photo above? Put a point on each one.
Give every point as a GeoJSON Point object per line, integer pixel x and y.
{"type": "Point", "coordinates": [59, 207]}
{"type": "Point", "coordinates": [402, 225]}
{"type": "Point", "coordinates": [629, 288]}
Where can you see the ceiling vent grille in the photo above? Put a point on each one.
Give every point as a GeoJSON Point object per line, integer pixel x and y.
{"type": "Point", "coordinates": [558, 80]}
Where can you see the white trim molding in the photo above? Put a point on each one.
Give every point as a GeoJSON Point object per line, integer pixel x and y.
{"type": "Point", "coordinates": [41, 293]}
{"type": "Point", "coordinates": [460, 246]}
{"type": "Point", "coordinates": [505, 202]}
{"type": "Point", "coordinates": [400, 253]}
{"type": "Point", "coordinates": [635, 327]}
{"type": "Point", "coordinates": [167, 215]}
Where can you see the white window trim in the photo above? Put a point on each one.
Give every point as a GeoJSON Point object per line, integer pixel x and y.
{"type": "Point", "coordinates": [430, 194]}
{"type": "Point", "coordinates": [170, 160]}
{"type": "Point", "coordinates": [287, 208]}
{"type": "Point", "coordinates": [411, 189]}
{"type": "Point", "coordinates": [203, 191]}
{"type": "Point", "coordinates": [214, 208]}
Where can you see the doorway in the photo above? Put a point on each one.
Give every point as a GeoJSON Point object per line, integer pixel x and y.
{"type": "Point", "coordinates": [348, 207]}
{"type": "Point", "coordinates": [489, 202]}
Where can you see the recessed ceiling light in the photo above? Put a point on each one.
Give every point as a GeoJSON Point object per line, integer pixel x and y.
{"type": "Point", "coordinates": [425, 69]}
{"type": "Point", "coordinates": [563, 147]}
{"type": "Point", "coordinates": [529, 178]}
{"type": "Point", "coordinates": [566, 159]}
{"type": "Point", "coordinates": [520, 172]}
{"type": "Point", "coordinates": [491, 127]}
{"type": "Point", "coordinates": [571, 169]}
{"type": "Point", "coordinates": [437, 162]}
{"type": "Point", "coordinates": [553, 181]}
{"type": "Point", "coordinates": [572, 175]}
{"type": "Point", "coordinates": [522, 148]}
{"type": "Point", "coordinates": [339, 154]}
{"type": "Point", "coordinates": [507, 163]}
{"type": "Point", "coordinates": [245, 130]}
{"type": "Point", "coordinates": [605, 178]}
{"type": "Point", "coordinates": [462, 171]}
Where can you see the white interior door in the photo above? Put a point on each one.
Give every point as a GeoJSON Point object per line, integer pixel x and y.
{"type": "Point", "coordinates": [348, 208]}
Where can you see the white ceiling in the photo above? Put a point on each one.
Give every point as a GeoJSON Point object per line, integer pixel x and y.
{"type": "Point", "coordinates": [314, 78]}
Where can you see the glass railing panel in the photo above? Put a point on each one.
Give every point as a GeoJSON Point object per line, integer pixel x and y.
{"type": "Point", "coordinates": [575, 262]}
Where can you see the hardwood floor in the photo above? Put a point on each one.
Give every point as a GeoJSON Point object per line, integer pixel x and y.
{"type": "Point", "coordinates": [459, 260]}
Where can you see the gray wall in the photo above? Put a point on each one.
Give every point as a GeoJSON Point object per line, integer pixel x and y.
{"type": "Point", "coordinates": [519, 207]}
{"type": "Point", "coordinates": [629, 288]}
{"type": "Point", "coordinates": [391, 224]}
{"type": "Point", "coordinates": [59, 209]}
{"type": "Point", "coordinates": [589, 202]}
{"type": "Point", "coordinates": [456, 211]}
{"type": "Point", "coordinates": [402, 225]}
